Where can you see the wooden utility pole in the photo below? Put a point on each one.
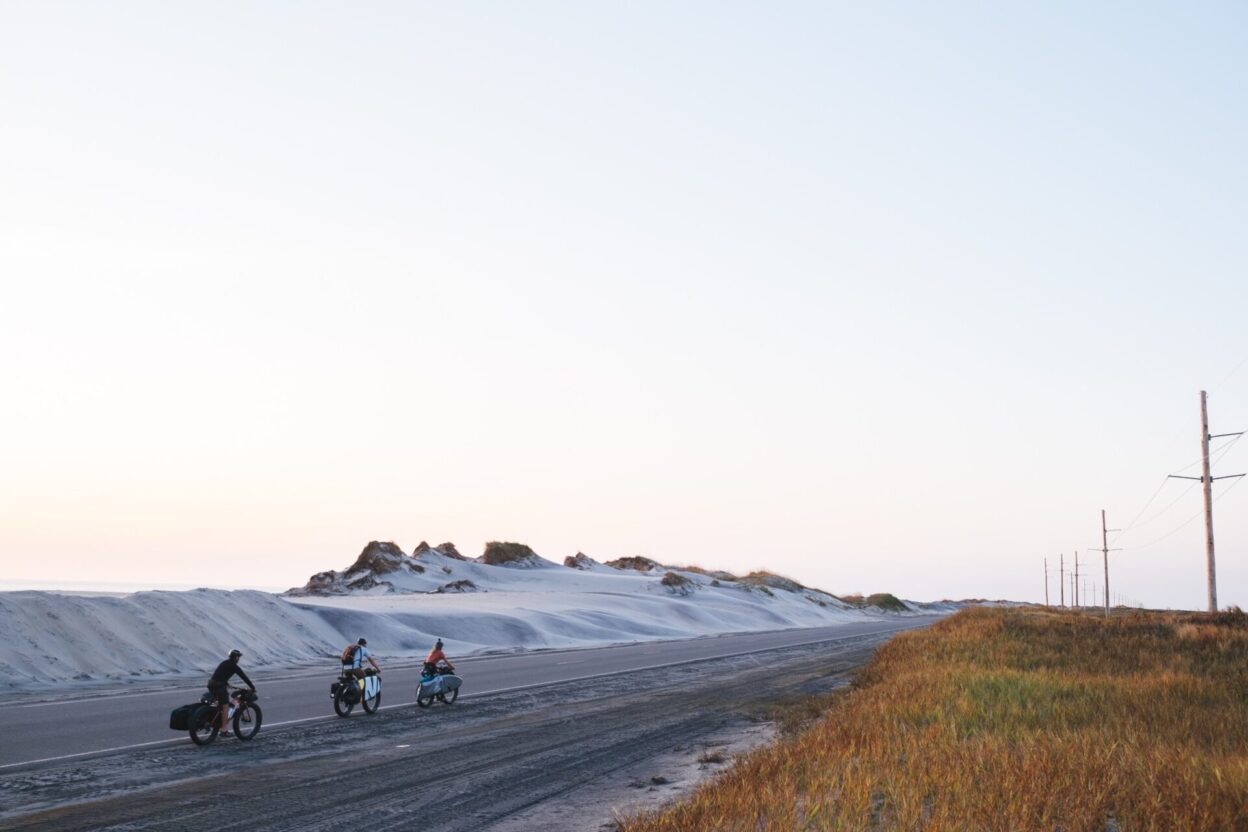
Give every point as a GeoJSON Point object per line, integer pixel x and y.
{"type": "Point", "coordinates": [1046, 582]}
{"type": "Point", "coordinates": [1105, 550]}
{"type": "Point", "coordinates": [1105, 555]}
{"type": "Point", "coordinates": [1206, 479]}
{"type": "Point", "coordinates": [1074, 593]}
{"type": "Point", "coordinates": [1061, 577]}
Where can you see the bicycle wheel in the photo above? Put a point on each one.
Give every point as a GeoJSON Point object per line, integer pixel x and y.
{"type": "Point", "coordinates": [371, 705]}
{"type": "Point", "coordinates": [341, 706]}
{"type": "Point", "coordinates": [449, 697]}
{"type": "Point", "coordinates": [205, 725]}
{"type": "Point", "coordinates": [247, 721]}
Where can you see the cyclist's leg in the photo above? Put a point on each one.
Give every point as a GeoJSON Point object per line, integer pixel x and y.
{"type": "Point", "coordinates": [222, 695]}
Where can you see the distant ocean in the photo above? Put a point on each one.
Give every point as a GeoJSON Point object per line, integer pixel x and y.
{"type": "Point", "coordinates": [114, 588]}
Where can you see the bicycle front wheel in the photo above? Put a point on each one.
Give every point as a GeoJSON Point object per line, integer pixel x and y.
{"type": "Point", "coordinates": [371, 705]}
{"type": "Point", "coordinates": [247, 721]}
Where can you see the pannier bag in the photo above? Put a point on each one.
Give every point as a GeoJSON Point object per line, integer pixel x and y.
{"type": "Point", "coordinates": [180, 718]}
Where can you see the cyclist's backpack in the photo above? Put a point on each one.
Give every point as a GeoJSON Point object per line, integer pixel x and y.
{"type": "Point", "coordinates": [348, 653]}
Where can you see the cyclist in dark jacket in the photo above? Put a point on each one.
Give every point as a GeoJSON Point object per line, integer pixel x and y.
{"type": "Point", "coordinates": [219, 685]}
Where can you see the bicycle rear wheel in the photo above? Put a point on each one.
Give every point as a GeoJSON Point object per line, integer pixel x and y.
{"type": "Point", "coordinates": [205, 724]}
{"type": "Point", "coordinates": [341, 706]}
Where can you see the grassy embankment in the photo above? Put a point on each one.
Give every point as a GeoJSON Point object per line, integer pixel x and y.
{"type": "Point", "coordinates": [1012, 720]}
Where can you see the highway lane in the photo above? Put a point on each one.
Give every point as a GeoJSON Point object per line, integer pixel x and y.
{"type": "Point", "coordinates": [53, 731]}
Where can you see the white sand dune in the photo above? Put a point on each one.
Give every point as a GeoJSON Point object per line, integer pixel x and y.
{"type": "Point", "coordinates": [54, 640]}
{"type": "Point", "coordinates": [50, 639]}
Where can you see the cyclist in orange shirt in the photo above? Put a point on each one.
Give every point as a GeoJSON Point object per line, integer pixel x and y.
{"type": "Point", "coordinates": [436, 655]}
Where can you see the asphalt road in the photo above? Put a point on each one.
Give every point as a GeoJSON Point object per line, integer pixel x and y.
{"type": "Point", "coordinates": [59, 730]}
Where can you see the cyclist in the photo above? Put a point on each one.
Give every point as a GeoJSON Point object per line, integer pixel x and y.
{"type": "Point", "coordinates": [353, 659]}
{"type": "Point", "coordinates": [436, 655]}
{"type": "Point", "coordinates": [219, 686]}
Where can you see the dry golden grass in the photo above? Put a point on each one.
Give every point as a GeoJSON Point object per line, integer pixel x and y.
{"type": "Point", "coordinates": [1012, 720]}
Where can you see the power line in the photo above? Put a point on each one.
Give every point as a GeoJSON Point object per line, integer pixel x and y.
{"type": "Point", "coordinates": [1185, 523]}
{"type": "Point", "coordinates": [1163, 511]}
{"type": "Point", "coordinates": [1221, 452]}
{"type": "Point", "coordinates": [1164, 482]}
{"type": "Point", "coordinates": [1237, 368]}
{"type": "Point", "coordinates": [1221, 449]}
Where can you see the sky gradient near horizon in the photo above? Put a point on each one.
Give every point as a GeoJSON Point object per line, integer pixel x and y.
{"type": "Point", "coordinates": [891, 297]}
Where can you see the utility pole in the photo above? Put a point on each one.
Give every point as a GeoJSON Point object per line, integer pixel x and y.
{"type": "Point", "coordinates": [1105, 550]}
{"type": "Point", "coordinates": [1046, 582]}
{"type": "Point", "coordinates": [1207, 479]}
{"type": "Point", "coordinates": [1074, 593]}
{"type": "Point", "coordinates": [1061, 577]}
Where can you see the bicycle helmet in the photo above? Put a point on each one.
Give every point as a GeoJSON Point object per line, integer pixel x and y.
{"type": "Point", "coordinates": [438, 646]}
{"type": "Point", "coordinates": [236, 654]}
{"type": "Point", "coordinates": [363, 642]}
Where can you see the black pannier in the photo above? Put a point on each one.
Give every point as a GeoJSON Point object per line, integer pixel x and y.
{"type": "Point", "coordinates": [180, 718]}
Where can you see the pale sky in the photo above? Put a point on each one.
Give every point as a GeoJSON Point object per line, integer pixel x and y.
{"type": "Point", "coordinates": [885, 297]}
